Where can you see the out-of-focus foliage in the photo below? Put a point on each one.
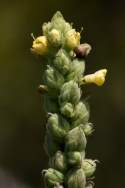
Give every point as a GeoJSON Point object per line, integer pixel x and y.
{"type": "Point", "coordinates": [22, 118]}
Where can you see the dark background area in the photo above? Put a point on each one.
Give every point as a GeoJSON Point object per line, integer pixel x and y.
{"type": "Point", "coordinates": [22, 119]}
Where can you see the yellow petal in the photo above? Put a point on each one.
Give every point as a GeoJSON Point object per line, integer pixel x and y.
{"type": "Point", "coordinates": [97, 78]}
{"type": "Point", "coordinates": [72, 39]}
{"type": "Point", "coordinates": [40, 45]}
{"type": "Point", "coordinates": [100, 77]}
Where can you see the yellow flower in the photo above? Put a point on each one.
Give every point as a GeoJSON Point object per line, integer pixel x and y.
{"type": "Point", "coordinates": [97, 78]}
{"type": "Point", "coordinates": [72, 39]}
{"type": "Point", "coordinates": [40, 45]}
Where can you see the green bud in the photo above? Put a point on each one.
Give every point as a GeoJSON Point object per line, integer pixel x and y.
{"type": "Point", "coordinates": [50, 145]}
{"type": "Point", "coordinates": [56, 30]}
{"type": "Point", "coordinates": [75, 158]}
{"type": "Point", "coordinates": [77, 68]}
{"type": "Point", "coordinates": [53, 177]}
{"type": "Point", "coordinates": [58, 161]}
{"type": "Point", "coordinates": [60, 24]}
{"type": "Point", "coordinates": [53, 78]}
{"type": "Point", "coordinates": [62, 61]}
{"type": "Point", "coordinates": [70, 92]}
{"type": "Point", "coordinates": [76, 179]}
{"type": "Point", "coordinates": [58, 127]}
{"type": "Point", "coordinates": [81, 114]}
{"type": "Point", "coordinates": [75, 140]}
{"type": "Point", "coordinates": [67, 109]}
{"type": "Point", "coordinates": [46, 28]}
{"type": "Point", "coordinates": [88, 129]}
{"type": "Point", "coordinates": [54, 38]}
{"type": "Point", "coordinates": [89, 166]}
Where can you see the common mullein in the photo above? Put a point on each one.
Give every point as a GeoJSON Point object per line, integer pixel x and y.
{"type": "Point", "coordinates": [68, 126]}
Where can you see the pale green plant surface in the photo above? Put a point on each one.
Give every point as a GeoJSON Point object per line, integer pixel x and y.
{"type": "Point", "coordinates": [68, 125]}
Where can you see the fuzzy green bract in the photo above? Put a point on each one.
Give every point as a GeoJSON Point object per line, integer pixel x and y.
{"type": "Point", "coordinates": [67, 114]}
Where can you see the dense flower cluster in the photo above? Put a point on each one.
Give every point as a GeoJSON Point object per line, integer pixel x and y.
{"type": "Point", "coordinates": [68, 114]}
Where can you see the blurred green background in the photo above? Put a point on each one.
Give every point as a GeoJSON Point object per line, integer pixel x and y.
{"type": "Point", "coordinates": [22, 119]}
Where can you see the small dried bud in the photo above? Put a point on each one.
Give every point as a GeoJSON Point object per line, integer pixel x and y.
{"type": "Point", "coordinates": [42, 89]}
{"type": "Point", "coordinates": [97, 78]}
{"type": "Point", "coordinates": [82, 50]}
{"type": "Point", "coordinates": [72, 39]}
{"type": "Point", "coordinates": [40, 45]}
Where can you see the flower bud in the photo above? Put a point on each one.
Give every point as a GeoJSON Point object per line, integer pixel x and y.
{"type": "Point", "coordinates": [88, 129]}
{"type": "Point", "coordinates": [97, 78]}
{"type": "Point", "coordinates": [53, 78]}
{"type": "Point", "coordinates": [58, 127]}
{"type": "Point", "coordinates": [76, 179]}
{"type": "Point", "coordinates": [59, 23]}
{"type": "Point", "coordinates": [62, 61]}
{"type": "Point", "coordinates": [70, 92]}
{"type": "Point", "coordinates": [89, 166]}
{"type": "Point", "coordinates": [42, 89]}
{"type": "Point", "coordinates": [54, 38]}
{"type": "Point", "coordinates": [75, 158]}
{"type": "Point", "coordinates": [67, 109]}
{"type": "Point", "coordinates": [40, 45]}
{"type": "Point", "coordinates": [72, 39]}
{"type": "Point", "coordinates": [81, 111]}
{"type": "Point", "coordinates": [75, 140]}
{"type": "Point", "coordinates": [52, 177]}
{"type": "Point", "coordinates": [77, 68]}
{"type": "Point", "coordinates": [46, 27]}
{"type": "Point", "coordinates": [81, 114]}
{"type": "Point", "coordinates": [58, 161]}
{"type": "Point", "coordinates": [82, 50]}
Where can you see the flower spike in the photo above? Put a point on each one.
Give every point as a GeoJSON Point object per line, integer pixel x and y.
{"type": "Point", "coordinates": [67, 113]}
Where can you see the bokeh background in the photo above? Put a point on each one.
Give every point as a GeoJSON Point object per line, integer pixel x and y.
{"type": "Point", "coordinates": [22, 118]}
